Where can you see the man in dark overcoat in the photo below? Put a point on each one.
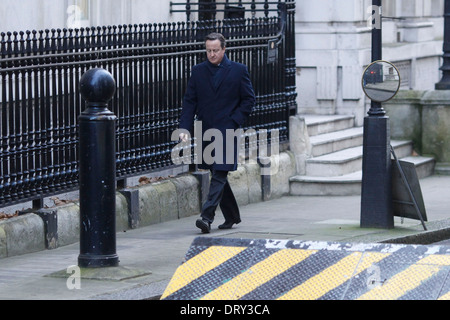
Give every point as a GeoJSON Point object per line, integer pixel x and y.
{"type": "Point", "coordinates": [221, 96]}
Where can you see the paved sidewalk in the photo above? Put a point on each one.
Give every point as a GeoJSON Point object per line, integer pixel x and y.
{"type": "Point", "coordinates": [150, 255]}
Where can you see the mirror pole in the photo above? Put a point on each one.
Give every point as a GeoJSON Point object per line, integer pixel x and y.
{"type": "Point", "coordinates": [376, 109]}
{"type": "Point", "coordinates": [376, 32]}
{"type": "Point", "coordinates": [444, 83]}
{"type": "Point", "coordinates": [376, 184]}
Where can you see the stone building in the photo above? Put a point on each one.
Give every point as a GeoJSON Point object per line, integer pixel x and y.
{"type": "Point", "coordinates": [333, 40]}
{"type": "Point", "coordinates": [333, 46]}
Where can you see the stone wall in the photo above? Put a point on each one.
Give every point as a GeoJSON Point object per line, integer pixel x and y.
{"type": "Point", "coordinates": [174, 198]}
{"type": "Point", "coordinates": [424, 117]}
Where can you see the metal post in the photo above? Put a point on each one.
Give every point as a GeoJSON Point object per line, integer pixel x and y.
{"type": "Point", "coordinates": [444, 84]}
{"type": "Point", "coordinates": [97, 172]}
{"type": "Point", "coordinates": [376, 108]}
{"type": "Point", "coordinates": [376, 190]}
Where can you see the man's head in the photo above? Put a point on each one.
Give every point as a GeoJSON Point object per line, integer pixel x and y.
{"type": "Point", "coordinates": [215, 47]}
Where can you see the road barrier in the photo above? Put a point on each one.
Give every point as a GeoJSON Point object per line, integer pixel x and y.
{"type": "Point", "coordinates": [248, 269]}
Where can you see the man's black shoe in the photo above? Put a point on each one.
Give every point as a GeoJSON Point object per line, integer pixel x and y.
{"type": "Point", "coordinates": [203, 225]}
{"type": "Point", "coordinates": [227, 225]}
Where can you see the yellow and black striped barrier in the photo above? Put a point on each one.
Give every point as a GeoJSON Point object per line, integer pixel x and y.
{"type": "Point", "coordinates": [235, 269]}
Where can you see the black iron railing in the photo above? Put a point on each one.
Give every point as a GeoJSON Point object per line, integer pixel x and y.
{"type": "Point", "coordinates": [40, 99]}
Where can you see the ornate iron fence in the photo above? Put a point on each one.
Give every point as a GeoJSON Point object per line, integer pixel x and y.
{"type": "Point", "coordinates": [40, 100]}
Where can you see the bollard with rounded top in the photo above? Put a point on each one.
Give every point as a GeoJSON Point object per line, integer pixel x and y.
{"type": "Point", "coordinates": [97, 172]}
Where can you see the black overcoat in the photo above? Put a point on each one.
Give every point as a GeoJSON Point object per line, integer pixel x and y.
{"type": "Point", "coordinates": [221, 98]}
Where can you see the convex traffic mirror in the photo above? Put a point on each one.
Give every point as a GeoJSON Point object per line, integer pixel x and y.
{"type": "Point", "coordinates": [381, 81]}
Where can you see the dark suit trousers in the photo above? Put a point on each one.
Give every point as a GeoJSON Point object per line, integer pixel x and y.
{"type": "Point", "coordinates": [220, 193]}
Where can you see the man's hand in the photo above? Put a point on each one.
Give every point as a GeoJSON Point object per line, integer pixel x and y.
{"type": "Point", "coordinates": [184, 137]}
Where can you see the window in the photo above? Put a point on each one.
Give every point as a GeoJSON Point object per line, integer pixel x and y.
{"type": "Point", "coordinates": [207, 10]}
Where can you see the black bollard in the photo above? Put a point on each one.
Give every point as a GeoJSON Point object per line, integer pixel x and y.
{"type": "Point", "coordinates": [97, 173]}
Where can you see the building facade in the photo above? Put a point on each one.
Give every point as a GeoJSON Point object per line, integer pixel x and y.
{"type": "Point", "coordinates": [333, 40]}
{"type": "Point", "coordinates": [46, 14]}
{"type": "Point", "coordinates": [333, 46]}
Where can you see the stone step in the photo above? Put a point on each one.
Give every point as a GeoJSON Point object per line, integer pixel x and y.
{"type": "Point", "coordinates": [319, 124]}
{"type": "Point", "coordinates": [334, 141]}
{"type": "Point", "coordinates": [349, 184]}
{"type": "Point", "coordinates": [336, 163]}
{"type": "Point", "coordinates": [345, 185]}
{"type": "Point", "coordinates": [347, 160]}
{"type": "Point", "coordinates": [402, 148]}
{"type": "Point", "coordinates": [335, 167]}
{"type": "Point", "coordinates": [424, 165]}
{"type": "Point", "coordinates": [442, 168]}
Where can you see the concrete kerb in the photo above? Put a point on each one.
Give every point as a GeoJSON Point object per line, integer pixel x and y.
{"type": "Point", "coordinates": [21, 234]}
{"type": "Point", "coordinates": [140, 206]}
{"type": "Point", "coordinates": [436, 231]}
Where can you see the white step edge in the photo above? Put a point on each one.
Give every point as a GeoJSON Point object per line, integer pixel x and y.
{"type": "Point", "coordinates": [336, 141]}
{"type": "Point", "coordinates": [349, 184]}
{"type": "Point", "coordinates": [320, 124]}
